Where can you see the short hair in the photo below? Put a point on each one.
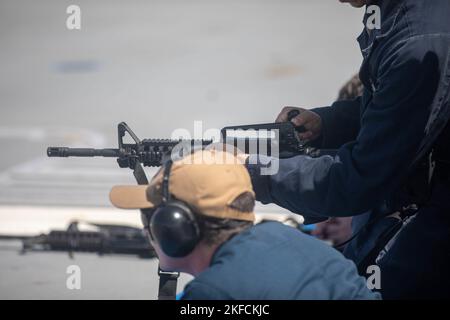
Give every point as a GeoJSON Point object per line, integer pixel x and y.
{"type": "Point", "coordinates": [217, 230]}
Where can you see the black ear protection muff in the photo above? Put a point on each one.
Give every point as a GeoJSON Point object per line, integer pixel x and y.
{"type": "Point", "coordinates": [173, 225]}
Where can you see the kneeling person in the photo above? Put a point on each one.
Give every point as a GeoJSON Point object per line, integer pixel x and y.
{"type": "Point", "coordinates": [199, 219]}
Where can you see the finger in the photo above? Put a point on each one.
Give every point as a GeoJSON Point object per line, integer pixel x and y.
{"type": "Point", "coordinates": [316, 232]}
{"type": "Point", "coordinates": [320, 234]}
{"type": "Point", "coordinates": [337, 236]}
{"type": "Point", "coordinates": [299, 120]}
{"type": "Point", "coordinates": [318, 229]}
{"type": "Point", "coordinates": [334, 221]}
{"type": "Point", "coordinates": [283, 116]}
{"type": "Point", "coordinates": [333, 229]}
{"type": "Point", "coordinates": [305, 135]}
{"type": "Point", "coordinates": [293, 113]}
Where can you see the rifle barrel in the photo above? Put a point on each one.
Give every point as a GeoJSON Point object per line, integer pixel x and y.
{"type": "Point", "coordinates": [82, 152]}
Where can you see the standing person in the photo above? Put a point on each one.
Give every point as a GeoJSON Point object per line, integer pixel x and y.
{"type": "Point", "coordinates": [379, 175]}
{"type": "Point", "coordinates": [338, 229]}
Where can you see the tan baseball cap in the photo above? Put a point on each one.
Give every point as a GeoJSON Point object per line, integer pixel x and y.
{"type": "Point", "coordinates": [207, 180]}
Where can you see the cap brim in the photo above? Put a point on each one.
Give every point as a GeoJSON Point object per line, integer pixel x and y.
{"type": "Point", "coordinates": [130, 197]}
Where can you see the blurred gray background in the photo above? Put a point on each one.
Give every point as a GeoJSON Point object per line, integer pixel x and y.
{"type": "Point", "coordinates": [159, 65]}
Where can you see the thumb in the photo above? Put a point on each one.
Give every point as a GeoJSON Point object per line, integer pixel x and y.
{"type": "Point", "coordinates": [300, 120]}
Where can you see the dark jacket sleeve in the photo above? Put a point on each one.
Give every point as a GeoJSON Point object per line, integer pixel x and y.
{"type": "Point", "coordinates": [340, 123]}
{"type": "Point", "coordinates": [367, 170]}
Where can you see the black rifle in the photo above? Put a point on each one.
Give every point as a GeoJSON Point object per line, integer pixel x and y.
{"type": "Point", "coordinates": [106, 239]}
{"type": "Point", "coordinates": [152, 152]}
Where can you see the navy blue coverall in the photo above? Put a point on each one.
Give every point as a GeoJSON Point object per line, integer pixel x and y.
{"type": "Point", "coordinates": [405, 70]}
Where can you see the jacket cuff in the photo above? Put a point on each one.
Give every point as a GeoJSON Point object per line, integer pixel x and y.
{"type": "Point", "coordinates": [323, 139]}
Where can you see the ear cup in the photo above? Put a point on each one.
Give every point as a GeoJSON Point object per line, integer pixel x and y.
{"type": "Point", "coordinates": [175, 228]}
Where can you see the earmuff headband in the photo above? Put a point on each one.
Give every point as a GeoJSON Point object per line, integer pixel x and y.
{"type": "Point", "coordinates": [165, 182]}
